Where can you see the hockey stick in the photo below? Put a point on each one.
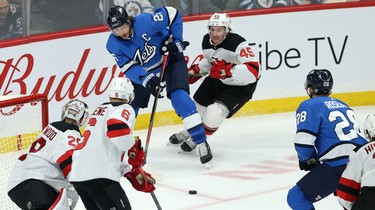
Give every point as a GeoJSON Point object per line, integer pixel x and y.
{"type": "Point", "coordinates": [165, 58]}
{"type": "Point", "coordinates": [164, 64]}
{"type": "Point", "coordinates": [198, 75]}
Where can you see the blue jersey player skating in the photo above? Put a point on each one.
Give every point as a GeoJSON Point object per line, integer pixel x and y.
{"type": "Point", "coordinates": [326, 134]}
{"type": "Point", "coordinates": [137, 44]}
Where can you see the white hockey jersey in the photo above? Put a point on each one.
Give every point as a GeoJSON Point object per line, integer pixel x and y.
{"type": "Point", "coordinates": [49, 157]}
{"type": "Point", "coordinates": [359, 172]}
{"type": "Point", "coordinates": [234, 49]}
{"type": "Point", "coordinates": [106, 139]}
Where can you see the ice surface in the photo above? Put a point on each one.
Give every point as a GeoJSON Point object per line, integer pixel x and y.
{"type": "Point", "coordinates": [254, 166]}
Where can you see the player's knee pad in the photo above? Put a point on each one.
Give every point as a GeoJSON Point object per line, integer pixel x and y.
{"type": "Point", "coordinates": [215, 115]}
{"type": "Point", "coordinates": [297, 200]}
{"type": "Point", "coordinates": [201, 109]}
{"type": "Point", "coordinates": [182, 103]}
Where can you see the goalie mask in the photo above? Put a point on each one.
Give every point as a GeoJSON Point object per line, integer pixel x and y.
{"type": "Point", "coordinates": [369, 127]}
{"type": "Point", "coordinates": [320, 80]}
{"type": "Point", "coordinates": [121, 88]}
{"type": "Point", "coordinates": [76, 110]}
{"type": "Point", "coordinates": [220, 19]}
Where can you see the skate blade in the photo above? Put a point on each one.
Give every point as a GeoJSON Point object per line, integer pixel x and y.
{"type": "Point", "coordinates": [209, 164]}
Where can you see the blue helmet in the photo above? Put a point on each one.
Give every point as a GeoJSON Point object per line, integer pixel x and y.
{"type": "Point", "coordinates": [117, 17]}
{"type": "Point", "coordinates": [320, 80]}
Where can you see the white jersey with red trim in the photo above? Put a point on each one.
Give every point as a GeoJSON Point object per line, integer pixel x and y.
{"type": "Point", "coordinates": [359, 173]}
{"type": "Point", "coordinates": [236, 50]}
{"type": "Point", "coordinates": [49, 157]}
{"type": "Point", "coordinates": [106, 139]}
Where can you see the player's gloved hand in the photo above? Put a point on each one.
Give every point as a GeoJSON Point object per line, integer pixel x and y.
{"type": "Point", "coordinates": [136, 154]}
{"type": "Point", "coordinates": [174, 47]}
{"type": "Point", "coordinates": [152, 83]}
{"type": "Point", "coordinates": [141, 180]}
{"type": "Point", "coordinates": [221, 70]}
{"type": "Point", "coordinates": [309, 165]}
{"type": "Point", "coordinates": [193, 73]}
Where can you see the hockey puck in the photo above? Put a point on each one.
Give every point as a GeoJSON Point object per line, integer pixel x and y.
{"type": "Point", "coordinates": [192, 192]}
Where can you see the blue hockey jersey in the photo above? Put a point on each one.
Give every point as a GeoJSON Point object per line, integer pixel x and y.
{"type": "Point", "coordinates": [140, 54]}
{"type": "Point", "coordinates": [326, 130]}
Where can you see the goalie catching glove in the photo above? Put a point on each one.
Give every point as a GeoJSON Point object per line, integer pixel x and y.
{"type": "Point", "coordinates": [221, 69]}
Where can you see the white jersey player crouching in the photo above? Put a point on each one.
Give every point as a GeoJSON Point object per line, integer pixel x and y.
{"type": "Point", "coordinates": [39, 177]}
{"type": "Point", "coordinates": [356, 188]}
{"type": "Point", "coordinates": [99, 161]}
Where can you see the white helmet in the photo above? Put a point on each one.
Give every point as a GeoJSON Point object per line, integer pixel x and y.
{"type": "Point", "coordinates": [369, 127]}
{"type": "Point", "coordinates": [76, 110]}
{"type": "Point", "coordinates": [220, 19]}
{"type": "Point", "coordinates": [122, 88]}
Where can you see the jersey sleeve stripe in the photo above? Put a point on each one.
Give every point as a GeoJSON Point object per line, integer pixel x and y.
{"type": "Point", "coordinates": [117, 128]}
{"type": "Point", "coordinates": [253, 67]}
{"type": "Point", "coordinates": [65, 162]}
{"type": "Point", "coordinates": [345, 196]}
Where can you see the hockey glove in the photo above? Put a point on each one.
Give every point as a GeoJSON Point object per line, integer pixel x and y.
{"type": "Point", "coordinates": [193, 73]}
{"type": "Point", "coordinates": [221, 70]}
{"type": "Point", "coordinates": [136, 154]}
{"type": "Point", "coordinates": [309, 165]}
{"type": "Point", "coordinates": [141, 180]}
{"type": "Point", "coordinates": [174, 47]}
{"type": "Point", "coordinates": [152, 83]}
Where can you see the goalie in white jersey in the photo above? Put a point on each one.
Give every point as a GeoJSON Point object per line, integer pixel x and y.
{"type": "Point", "coordinates": [233, 76]}
{"type": "Point", "coordinates": [356, 188]}
{"type": "Point", "coordinates": [101, 158]}
{"type": "Point", "coordinates": [39, 177]}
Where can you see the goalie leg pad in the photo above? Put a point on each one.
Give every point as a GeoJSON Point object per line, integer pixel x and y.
{"type": "Point", "coordinates": [33, 194]}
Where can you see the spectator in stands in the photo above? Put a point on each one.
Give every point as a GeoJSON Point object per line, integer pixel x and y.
{"type": "Point", "coordinates": [133, 7]}
{"type": "Point", "coordinates": [70, 14]}
{"type": "Point", "coordinates": [10, 21]}
{"type": "Point", "coordinates": [259, 4]}
{"type": "Point", "coordinates": [158, 3]}
{"type": "Point", "coordinates": [184, 6]}
{"type": "Point", "coordinates": [206, 6]}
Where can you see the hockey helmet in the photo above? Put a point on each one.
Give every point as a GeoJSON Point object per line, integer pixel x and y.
{"type": "Point", "coordinates": [220, 19]}
{"type": "Point", "coordinates": [369, 127]}
{"type": "Point", "coordinates": [122, 88]}
{"type": "Point", "coordinates": [76, 110]}
{"type": "Point", "coordinates": [320, 80]}
{"type": "Point", "coordinates": [117, 17]}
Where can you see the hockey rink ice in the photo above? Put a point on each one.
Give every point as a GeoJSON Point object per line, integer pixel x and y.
{"type": "Point", "coordinates": [254, 166]}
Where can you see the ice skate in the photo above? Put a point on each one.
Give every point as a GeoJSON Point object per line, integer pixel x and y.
{"type": "Point", "coordinates": [179, 137]}
{"type": "Point", "coordinates": [188, 145]}
{"type": "Point", "coordinates": [204, 152]}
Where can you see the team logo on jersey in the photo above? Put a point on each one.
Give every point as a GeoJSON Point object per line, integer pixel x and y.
{"type": "Point", "coordinates": [147, 53]}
